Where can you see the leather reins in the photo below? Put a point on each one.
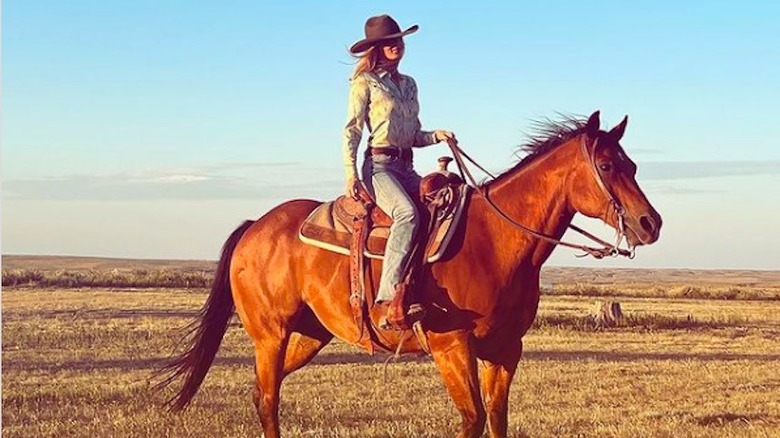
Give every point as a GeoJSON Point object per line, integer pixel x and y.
{"type": "Point", "coordinates": [607, 249]}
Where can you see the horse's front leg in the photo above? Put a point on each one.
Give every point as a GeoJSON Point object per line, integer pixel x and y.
{"type": "Point", "coordinates": [457, 363]}
{"type": "Point", "coordinates": [495, 377]}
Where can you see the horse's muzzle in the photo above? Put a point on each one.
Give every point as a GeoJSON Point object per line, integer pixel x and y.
{"type": "Point", "coordinates": [644, 229]}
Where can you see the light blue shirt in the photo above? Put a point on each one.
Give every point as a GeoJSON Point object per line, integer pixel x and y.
{"type": "Point", "coordinates": [389, 109]}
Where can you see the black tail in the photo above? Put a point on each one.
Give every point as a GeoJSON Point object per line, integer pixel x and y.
{"type": "Point", "coordinates": [208, 329]}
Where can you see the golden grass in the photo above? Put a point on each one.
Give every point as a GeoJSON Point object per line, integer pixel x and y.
{"type": "Point", "coordinates": [551, 275]}
{"type": "Point", "coordinates": [137, 278]}
{"type": "Point", "coordinates": [673, 290]}
{"type": "Point", "coordinates": [78, 363]}
{"type": "Point", "coordinates": [79, 264]}
{"type": "Point", "coordinates": [82, 272]}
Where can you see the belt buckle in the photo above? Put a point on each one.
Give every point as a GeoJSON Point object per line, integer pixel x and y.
{"type": "Point", "coordinates": [390, 151]}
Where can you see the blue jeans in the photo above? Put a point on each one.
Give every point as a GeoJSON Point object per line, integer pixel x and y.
{"type": "Point", "coordinates": [394, 184]}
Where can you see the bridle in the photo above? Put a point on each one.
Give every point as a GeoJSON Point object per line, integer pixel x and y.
{"type": "Point", "coordinates": [590, 156]}
{"type": "Point", "coordinates": [589, 151]}
{"type": "Point", "coordinates": [617, 207]}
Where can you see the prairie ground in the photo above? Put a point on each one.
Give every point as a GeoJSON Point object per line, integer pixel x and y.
{"type": "Point", "coordinates": [78, 363]}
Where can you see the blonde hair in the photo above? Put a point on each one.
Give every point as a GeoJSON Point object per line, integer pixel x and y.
{"type": "Point", "coordinates": [365, 61]}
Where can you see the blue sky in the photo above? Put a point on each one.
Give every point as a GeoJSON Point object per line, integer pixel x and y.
{"type": "Point", "coordinates": [150, 129]}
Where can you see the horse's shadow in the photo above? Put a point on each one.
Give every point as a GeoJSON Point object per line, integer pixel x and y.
{"type": "Point", "coordinates": [358, 358]}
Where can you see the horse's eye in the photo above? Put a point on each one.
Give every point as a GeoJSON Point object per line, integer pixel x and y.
{"type": "Point", "coordinates": [605, 167]}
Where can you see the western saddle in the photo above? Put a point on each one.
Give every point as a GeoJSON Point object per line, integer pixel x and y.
{"type": "Point", "coordinates": [356, 227]}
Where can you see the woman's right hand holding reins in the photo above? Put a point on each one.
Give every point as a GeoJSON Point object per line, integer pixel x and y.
{"type": "Point", "coordinates": [443, 135]}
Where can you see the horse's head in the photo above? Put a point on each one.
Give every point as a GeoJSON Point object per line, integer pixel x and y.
{"type": "Point", "coordinates": [604, 185]}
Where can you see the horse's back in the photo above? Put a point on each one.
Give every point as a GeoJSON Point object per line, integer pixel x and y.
{"type": "Point", "coordinates": [285, 218]}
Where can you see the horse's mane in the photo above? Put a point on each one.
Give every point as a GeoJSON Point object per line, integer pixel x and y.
{"type": "Point", "coordinates": [546, 134]}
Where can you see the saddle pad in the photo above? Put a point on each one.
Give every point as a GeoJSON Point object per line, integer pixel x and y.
{"type": "Point", "coordinates": [323, 228]}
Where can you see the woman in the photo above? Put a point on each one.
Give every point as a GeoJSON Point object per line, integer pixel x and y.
{"type": "Point", "coordinates": [385, 101]}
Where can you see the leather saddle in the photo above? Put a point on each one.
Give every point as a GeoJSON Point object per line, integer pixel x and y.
{"type": "Point", "coordinates": [331, 226]}
{"type": "Point", "coordinates": [359, 229]}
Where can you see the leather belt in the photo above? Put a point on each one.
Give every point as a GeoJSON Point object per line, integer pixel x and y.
{"type": "Point", "coordinates": [390, 151]}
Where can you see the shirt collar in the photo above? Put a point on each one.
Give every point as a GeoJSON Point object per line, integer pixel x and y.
{"type": "Point", "coordinates": [382, 73]}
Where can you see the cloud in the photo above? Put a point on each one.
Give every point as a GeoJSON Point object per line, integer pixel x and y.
{"type": "Point", "coordinates": [675, 170]}
{"type": "Point", "coordinates": [179, 178]}
{"type": "Point", "coordinates": [182, 184]}
{"type": "Point", "coordinates": [293, 180]}
{"type": "Point", "coordinates": [680, 190]}
{"type": "Point", "coordinates": [234, 166]}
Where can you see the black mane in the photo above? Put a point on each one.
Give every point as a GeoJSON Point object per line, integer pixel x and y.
{"type": "Point", "coordinates": [546, 135]}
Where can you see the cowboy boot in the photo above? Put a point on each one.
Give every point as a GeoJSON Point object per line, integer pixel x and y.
{"type": "Point", "coordinates": [400, 317]}
{"type": "Point", "coordinates": [378, 314]}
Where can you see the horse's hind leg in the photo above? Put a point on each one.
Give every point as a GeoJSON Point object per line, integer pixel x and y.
{"type": "Point", "coordinates": [267, 275]}
{"type": "Point", "coordinates": [305, 342]}
{"type": "Point", "coordinates": [269, 315]}
{"type": "Point", "coordinates": [271, 345]}
{"type": "Point", "coordinates": [269, 356]}
{"type": "Point", "coordinates": [277, 354]}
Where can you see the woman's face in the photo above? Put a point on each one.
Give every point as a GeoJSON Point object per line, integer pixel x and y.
{"type": "Point", "coordinates": [393, 49]}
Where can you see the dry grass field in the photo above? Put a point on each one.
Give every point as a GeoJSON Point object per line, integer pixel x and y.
{"type": "Point", "coordinates": [77, 362]}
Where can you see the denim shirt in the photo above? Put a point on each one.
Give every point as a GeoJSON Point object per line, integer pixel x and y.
{"type": "Point", "coordinates": [390, 111]}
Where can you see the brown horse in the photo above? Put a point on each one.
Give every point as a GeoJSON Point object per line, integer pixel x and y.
{"type": "Point", "coordinates": [292, 298]}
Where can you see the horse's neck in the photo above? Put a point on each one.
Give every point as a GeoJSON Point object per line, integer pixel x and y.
{"type": "Point", "coordinates": [535, 196]}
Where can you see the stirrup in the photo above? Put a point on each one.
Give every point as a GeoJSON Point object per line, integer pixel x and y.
{"type": "Point", "coordinates": [416, 312]}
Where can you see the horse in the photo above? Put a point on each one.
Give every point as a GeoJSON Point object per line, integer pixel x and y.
{"type": "Point", "coordinates": [293, 298]}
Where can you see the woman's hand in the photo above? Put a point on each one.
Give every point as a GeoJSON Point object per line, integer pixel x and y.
{"type": "Point", "coordinates": [352, 187]}
{"type": "Point", "coordinates": [442, 135]}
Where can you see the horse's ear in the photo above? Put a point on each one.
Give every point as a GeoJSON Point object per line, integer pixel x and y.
{"type": "Point", "coordinates": [618, 131]}
{"type": "Point", "coordinates": [592, 126]}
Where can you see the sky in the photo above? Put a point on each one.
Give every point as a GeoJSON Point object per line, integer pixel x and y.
{"type": "Point", "coordinates": [152, 128]}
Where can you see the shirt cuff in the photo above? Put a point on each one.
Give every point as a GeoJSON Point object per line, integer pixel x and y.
{"type": "Point", "coordinates": [426, 138]}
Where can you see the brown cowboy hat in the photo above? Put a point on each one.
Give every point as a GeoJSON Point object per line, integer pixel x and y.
{"type": "Point", "coordinates": [380, 28]}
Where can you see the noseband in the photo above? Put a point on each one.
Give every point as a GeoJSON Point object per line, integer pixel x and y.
{"type": "Point", "coordinates": [589, 153]}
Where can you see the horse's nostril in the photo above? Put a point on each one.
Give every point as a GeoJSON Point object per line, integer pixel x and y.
{"type": "Point", "coordinates": [647, 224]}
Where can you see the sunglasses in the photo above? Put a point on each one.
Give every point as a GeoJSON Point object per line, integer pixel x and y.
{"type": "Point", "coordinates": [393, 43]}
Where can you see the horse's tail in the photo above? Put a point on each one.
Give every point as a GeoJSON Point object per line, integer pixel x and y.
{"type": "Point", "coordinates": [208, 330]}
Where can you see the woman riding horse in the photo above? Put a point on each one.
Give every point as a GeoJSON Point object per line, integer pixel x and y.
{"type": "Point", "coordinates": [385, 101]}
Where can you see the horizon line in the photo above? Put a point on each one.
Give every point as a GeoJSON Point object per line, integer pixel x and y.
{"type": "Point", "coordinates": [544, 266]}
